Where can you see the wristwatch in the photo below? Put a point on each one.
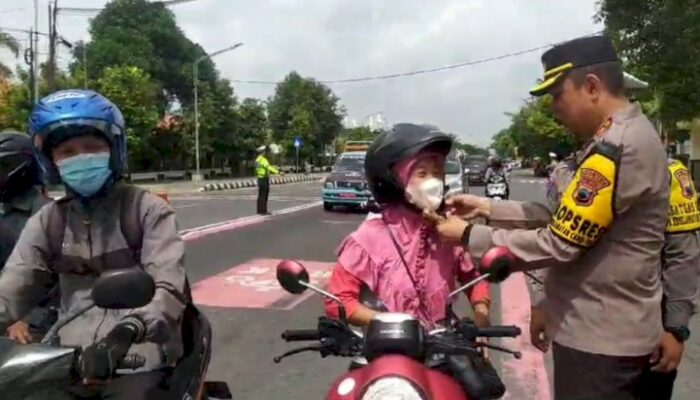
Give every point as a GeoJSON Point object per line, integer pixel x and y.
{"type": "Point", "coordinates": [681, 333]}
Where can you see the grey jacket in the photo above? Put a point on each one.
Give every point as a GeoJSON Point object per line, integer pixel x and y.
{"type": "Point", "coordinates": [93, 243]}
{"type": "Point", "coordinates": [604, 298]}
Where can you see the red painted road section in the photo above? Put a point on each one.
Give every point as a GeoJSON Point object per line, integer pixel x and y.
{"type": "Point", "coordinates": [254, 285]}
{"type": "Point", "coordinates": [528, 376]}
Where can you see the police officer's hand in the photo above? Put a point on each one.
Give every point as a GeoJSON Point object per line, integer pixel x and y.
{"type": "Point", "coordinates": [468, 206]}
{"type": "Point", "coordinates": [19, 332]}
{"type": "Point", "coordinates": [451, 228]}
{"type": "Point", "coordinates": [667, 355]}
{"type": "Point", "coordinates": [538, 331]}
{"type": "Point", "coordinates": [100, 360]}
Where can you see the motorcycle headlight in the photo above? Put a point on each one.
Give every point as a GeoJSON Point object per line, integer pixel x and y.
{"type": "Point", "coordinates": [329, 184]}
{"type": "Point", "coordinates": [392, 388]}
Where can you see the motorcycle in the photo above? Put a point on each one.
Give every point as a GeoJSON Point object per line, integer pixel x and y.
{"type": "Point", "coordinates": [48, 366]}
{"type": "Point", "coordinates": [497, 188]}
{"type": "Point", "coordinates": [404, 360]}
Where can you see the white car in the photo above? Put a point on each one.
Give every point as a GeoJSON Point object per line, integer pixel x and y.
{"type": "Point", "coordinates": [455, 178]}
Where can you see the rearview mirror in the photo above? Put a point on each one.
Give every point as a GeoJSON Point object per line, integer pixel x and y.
{"type": "Point", "coordinates": [123, 289]}
{"type": "Point", "coordinates": [290, 274]}
{"type": "Point", "coordinates": [497, 262]}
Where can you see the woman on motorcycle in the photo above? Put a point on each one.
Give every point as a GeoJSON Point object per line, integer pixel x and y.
{"type": "Point", "coordinates": [397, 253]}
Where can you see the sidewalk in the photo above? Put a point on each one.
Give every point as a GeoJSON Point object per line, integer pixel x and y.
{"type": "Point", "coordinates": [188, 187]}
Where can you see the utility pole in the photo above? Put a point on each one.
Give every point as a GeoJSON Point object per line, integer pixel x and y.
{"type": "Point", "coordinates": [51, 67]}
{"type": "Point", "coordinates": [29, 59]}
{"type": "Point", "coordinates": [35, 53]}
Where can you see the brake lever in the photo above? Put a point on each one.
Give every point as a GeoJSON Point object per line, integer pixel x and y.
{"type": "Point", "coordinates": [298, 350]}
{"type": "Point", "coordinates": [518, 355]}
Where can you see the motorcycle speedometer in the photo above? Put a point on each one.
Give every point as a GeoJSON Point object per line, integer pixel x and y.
{"type": "Point", "coordinates": [393, 333]}
{"type": "Point", "coordinates": [392, 388]}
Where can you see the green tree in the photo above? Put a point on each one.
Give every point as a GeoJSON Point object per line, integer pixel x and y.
{"type": "Point", "coordinates": [306, 108]}
{"type": "Point", "coordinates": [145, 34]}
{"type": "Point", "coordinates": [658, 41]}
{"type": "Point", "coordinates": [534, 132]}
{"type": "Point", "coordinates": [10, 43]}
{"type": "Point", "coordinates": [136, 95]}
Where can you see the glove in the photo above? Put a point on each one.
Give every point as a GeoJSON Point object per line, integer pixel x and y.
{"type": "Point", "coordinates": [100, 360]}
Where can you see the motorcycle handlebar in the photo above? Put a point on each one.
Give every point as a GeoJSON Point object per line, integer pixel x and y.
{"type": "Point", "coordinates": [299, 335]}
{"type": "Point", "coordinates": [499, 331]}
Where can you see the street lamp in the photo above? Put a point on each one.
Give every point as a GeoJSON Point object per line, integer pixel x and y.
{"type": "Point", "coordinates": [195, 70]}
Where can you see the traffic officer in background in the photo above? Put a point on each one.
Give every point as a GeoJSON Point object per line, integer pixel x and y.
{"type": "Point", "coordinates": [20, 198]}
{"type": "Point", "coordinates": [263, 169]}
{"type": "Point", "coordinates": [603, 290]}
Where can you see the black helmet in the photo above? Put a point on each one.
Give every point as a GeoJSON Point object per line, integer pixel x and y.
{"type": "Point", "coordinates": [18, 168]}
{"type": "Point", "coordinates": [400, 143]}
{"type": "Point", "coordinates": [496, 162]}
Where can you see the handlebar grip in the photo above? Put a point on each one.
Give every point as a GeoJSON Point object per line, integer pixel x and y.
{"type": "Point", "coordinates": [499, 331]}
{"type": "Point", "coordinates": [300, 335]}
{"type": "Point", "coordinates": [132, 361]}
{"type": "Point", "coordinates": [477, 376]}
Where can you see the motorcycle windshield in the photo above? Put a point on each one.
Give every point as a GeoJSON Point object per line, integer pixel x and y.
{"type": "Point", "coordinates": [24, 368]}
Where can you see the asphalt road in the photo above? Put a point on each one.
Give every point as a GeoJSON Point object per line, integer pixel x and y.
{"type": "Point", "coordinates": [234, 285]}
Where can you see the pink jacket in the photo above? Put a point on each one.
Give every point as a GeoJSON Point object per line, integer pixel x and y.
{"type": "Point", "coordinates": [369, 256]}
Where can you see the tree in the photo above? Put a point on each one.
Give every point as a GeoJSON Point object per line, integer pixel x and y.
{"type": "Point", "coordinates": [136, 95]}
{"type": "Point", "coordinates": [145, 34]}
{"type": "Point", "coordinates": [534, 132]}
{"type": "Point", "coordinates": [658, 42]}
{"type": "Point", "coordinates": [306, 108]}
{"type": "Point", "coordinates": [10, 43]}
{"type": "Point", "coordinates": [252, 128]}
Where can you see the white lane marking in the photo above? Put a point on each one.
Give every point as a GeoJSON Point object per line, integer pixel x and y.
{"type": "Point", "coordinates": [218, 227]}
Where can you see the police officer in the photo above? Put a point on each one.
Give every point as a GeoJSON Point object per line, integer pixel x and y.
{"type": "Point", "coordinates": [20, 198]}
{"type": "Point", "coordinates": [603, 290]}
{"type": "Point", "coordinates": [263, 169]}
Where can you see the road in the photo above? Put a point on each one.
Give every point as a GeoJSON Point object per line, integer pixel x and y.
{"type": "Point", "coordinates": [233, 271]}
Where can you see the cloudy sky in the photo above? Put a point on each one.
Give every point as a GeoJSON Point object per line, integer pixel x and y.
{"type": "Point", "coordinates": [339, 39]}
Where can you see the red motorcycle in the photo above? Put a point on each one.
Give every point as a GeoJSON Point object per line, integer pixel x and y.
{"type": "Point", "coordinates": [405, 361]}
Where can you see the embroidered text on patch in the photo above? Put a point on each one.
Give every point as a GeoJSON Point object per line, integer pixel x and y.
{"type": "Point", "coordinates": [588, 186]}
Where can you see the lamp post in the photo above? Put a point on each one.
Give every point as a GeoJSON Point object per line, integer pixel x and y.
{"type": "Point", "coordinates": [195, 71]}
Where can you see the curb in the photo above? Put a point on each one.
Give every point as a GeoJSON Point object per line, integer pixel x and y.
{"type": "Point", "coordinates": [252, 182]}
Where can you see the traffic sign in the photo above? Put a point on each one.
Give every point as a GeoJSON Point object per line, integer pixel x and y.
{"type": "Point", "coordinates": [297, 142]}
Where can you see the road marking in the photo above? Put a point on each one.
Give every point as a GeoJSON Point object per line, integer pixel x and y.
{"type": "Point", "coordinates": [254, 285]}
{"type": "Point", "coordinates": [224, 226]}
{"type": "Point", "coordinates": [247, 197]}
{"type": "Point", "coordinates": [528, 374]}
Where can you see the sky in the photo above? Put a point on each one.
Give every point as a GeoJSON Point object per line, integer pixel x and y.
{"type": "Point", "coordinates": [340, 39]}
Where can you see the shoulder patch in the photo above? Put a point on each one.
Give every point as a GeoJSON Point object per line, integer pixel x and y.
{"type": "Point", "coordinates": [683, 213]}
{"type": "Point", "coordinates": [585, 211]}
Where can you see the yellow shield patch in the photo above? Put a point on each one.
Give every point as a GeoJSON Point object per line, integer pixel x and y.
{"type": "Point", "coordinates": [585, 211]}
{"type": "Point", "coordinates": [683, 213]}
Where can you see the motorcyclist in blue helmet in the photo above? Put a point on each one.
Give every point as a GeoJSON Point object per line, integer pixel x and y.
{"type": "Point", "coordinates": [79, 138]}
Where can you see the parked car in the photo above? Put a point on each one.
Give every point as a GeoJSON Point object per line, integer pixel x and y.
{"type": "Point", "coordinates": [455, 177]}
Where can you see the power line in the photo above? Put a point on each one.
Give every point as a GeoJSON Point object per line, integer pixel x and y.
{"type": "Point", "coordinates": [8, 10]}
{"type": "Point", "coordinates": [418, 72]}
{"type": "Point", "coordinates": [5, 28]}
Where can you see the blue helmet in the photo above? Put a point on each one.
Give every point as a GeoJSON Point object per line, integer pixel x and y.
{"type": "Point", "coordinates": [69, 113]}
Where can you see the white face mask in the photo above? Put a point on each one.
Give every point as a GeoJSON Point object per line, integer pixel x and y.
{"type": "Point", "coordinates": [427, 195]}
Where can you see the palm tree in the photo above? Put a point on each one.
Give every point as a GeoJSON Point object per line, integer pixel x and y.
{"type": "Point", "coordinates": [10, 43]}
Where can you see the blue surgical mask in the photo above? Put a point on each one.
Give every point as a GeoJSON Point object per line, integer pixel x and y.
{"type": "Point", "coordinates": [85, 173]}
